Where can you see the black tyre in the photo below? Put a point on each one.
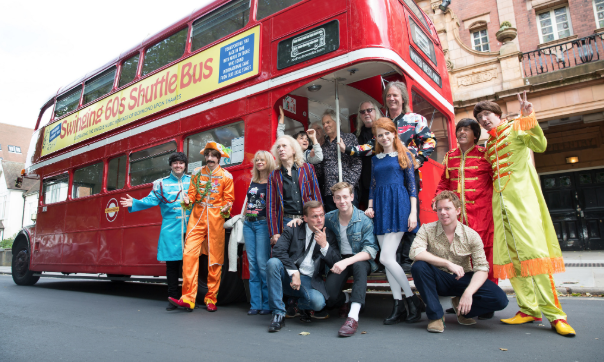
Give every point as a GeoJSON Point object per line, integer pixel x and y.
{"type": "Point", "coordinates": [20, 266]}
{"type": "Point", "coordinates": [118, 276]}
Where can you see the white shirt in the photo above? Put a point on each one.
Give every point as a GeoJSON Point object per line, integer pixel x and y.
{"type": "Point", "coordinates": [307, 267]}
{"type": "Point", "coordinates": [345, 248]}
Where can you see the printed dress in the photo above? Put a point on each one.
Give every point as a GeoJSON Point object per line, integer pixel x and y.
{"type": "Point", "coordinates": [391, 188]}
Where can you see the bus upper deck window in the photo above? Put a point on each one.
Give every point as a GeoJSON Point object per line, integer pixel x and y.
{"type": "Point", "coordinates": [87, 180]}
{"type": "Point", "coordinates": [148, 165]}
{"type": "Point", "coordinates": [68, 102]}
{"type": "Point", "coordinates": [220, 23]}
{"type": "Point", "coordinates": [128, 71]}
{"type": "Point", "coordinates": [99, 85]}
{"type": "Point", "coordinates": [230, 136]}
{"type": "Point", "coordinates": [55, 188]}
{"type": "Point", "coordinates": [415, 10]}
{"type": "Point", "coordinates": [116, 175]}
{"type": "Point", "coordinates": [165, 51]}
{"type": "Point", "coordinates": [269, 7]}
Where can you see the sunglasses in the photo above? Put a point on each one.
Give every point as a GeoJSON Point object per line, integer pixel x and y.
{"type": "Point", "coordinates": [368, 110]}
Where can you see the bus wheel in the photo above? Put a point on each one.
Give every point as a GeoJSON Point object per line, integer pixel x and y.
{"type": "Point", "coordinates": [20, 266]}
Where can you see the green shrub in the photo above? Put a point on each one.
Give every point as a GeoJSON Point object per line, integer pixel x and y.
{"type": "Point", "coordinates": [8, 242]}
{"type": "Point", "coordinates": [505, 24]}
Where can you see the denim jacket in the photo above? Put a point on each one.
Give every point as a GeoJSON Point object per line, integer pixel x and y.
{"type": "Point", "coordinates": [359, 233]}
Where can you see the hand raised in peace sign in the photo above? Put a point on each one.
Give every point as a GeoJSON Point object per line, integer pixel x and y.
{"type": "Point", "coordinates": [526, 107]}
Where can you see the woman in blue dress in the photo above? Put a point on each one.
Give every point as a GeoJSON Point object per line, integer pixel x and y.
{"type": "Point", "coordinates": [392, 205]}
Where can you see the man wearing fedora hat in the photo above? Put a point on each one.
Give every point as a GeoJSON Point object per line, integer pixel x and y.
{"type": "Point", "coordinates": [211, 196]}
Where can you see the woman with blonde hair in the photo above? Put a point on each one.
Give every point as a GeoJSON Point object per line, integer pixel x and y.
{"type": "Point", "coordinates": [392, 204]}
{"type": "Point", "coordinates": [255, 231]}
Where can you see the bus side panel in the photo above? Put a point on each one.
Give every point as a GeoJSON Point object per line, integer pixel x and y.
{"type": "Point", "coordinates": [144, 217]}
{"type": "Point", "coordinates": [81, 248]}
{"type": "Point", "coordinates": [154, 135]}
{"type": "Point", "coordinates": [84, 214]}
{"type": "Point", "coordinates": [140, 245]}
{"type": "Point", "coordinates": [210, 118]}
{"type": "Point", "coordinates": [431, 172]}
{"type": "Point", "coordinates": [47, 250]}
{"type": "Point", "coordinates": [297, 17]}
{"type": "Point", "coordinates": [258, 102]}
{"type": "Point", "coordinates": [110, 247]}
{"type": "Point", "coordinates": [368, 21]}
{"type": "Point", "coordinates": [88, 157]}
{"type": "Point", "coordinates": [49, 231]}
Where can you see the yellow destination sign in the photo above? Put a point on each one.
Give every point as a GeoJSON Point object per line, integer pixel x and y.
{"type": "Point", "coordinates": [231, 61]}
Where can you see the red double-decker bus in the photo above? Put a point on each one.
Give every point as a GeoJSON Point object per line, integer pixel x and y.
{"type": "Point", "coordinates": [220, 74]}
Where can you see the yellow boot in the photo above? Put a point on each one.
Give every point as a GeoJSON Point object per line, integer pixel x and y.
{"type": "Point", "coordinates": [521, 318]}
{"type": "Point", "coordinates": [563, 328]}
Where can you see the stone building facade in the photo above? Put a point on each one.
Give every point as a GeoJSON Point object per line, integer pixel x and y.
{"type": "Point", "coordinates": [553, 49]}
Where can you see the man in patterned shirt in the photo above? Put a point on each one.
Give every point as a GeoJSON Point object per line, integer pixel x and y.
{"type": "Point", "coordinates": [450, 260]}
{"type": "Point", "coordinates": [351, 166]}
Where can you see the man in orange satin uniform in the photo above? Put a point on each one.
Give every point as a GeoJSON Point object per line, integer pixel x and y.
{"type": "Point", "coordinates": [211, 195]}
{"type": "Point", "coordinates": [469, 174]}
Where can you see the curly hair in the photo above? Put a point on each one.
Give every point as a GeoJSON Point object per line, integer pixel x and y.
{"type": "Point", "coordinates": [388, 125]}
{"type": "Point", "coordinates": [448, 195]}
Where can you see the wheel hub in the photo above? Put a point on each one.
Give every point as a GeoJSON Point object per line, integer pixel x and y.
{"type": "Point", "coordinates": [22, 263]}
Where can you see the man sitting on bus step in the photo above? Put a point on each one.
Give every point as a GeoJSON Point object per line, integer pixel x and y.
{"type": "Point", "coordinates": [450, 261]}
{"type": "Point", "coordinates": [354, 232]}
{"type": "Point", "coordinates": [298, 262]}
{"type": "Point", "coordinates": [211, 196]}
{"type": "Point", "coordinates": [167, 193]}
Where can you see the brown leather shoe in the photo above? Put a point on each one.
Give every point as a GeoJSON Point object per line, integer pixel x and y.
{"type": "Point", "coordinates": [344, 310]}
{"type": "Point", "coordinates": [349, 328]}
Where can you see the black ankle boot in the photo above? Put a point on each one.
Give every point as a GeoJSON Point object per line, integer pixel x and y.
{"type": "Point", "coordinates": [399, 313]}
{"type": "Point", "coordinates": [415, 307]}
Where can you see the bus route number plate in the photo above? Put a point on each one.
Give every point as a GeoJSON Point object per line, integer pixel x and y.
{"type": "Point", "coordinates": [312, 43]}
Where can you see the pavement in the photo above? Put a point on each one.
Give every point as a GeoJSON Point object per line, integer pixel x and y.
{"type": "Point", "coordinates": [584, 274]}
{"type": "Point", "coordinates": [82, 320]}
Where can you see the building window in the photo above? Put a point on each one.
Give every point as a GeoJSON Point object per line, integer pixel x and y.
{"type": "Point", "coordinates": [554, 24]}
{"type": "Point", "coordinates": [599, 9]}
{"type": "Point", "coordinates": [480, 40]}
{"type": "Point", "coordinates": [14, 149]}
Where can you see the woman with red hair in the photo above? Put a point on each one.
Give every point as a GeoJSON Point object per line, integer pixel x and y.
{"type": "Point", "coordinates": [392, 204]}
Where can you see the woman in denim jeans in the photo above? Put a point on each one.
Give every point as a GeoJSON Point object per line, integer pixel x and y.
{"type": "Point", "coordinates": [255, 232]}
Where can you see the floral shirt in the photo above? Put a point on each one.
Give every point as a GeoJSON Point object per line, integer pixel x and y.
{"type": "Point", "coordinates": [466, 250]}
{"type": "Point", "coordinates": [351, 166]}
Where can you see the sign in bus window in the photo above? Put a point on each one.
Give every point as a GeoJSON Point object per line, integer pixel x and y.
{"type": "Point", "coordinates": [422, 41]}
{"type": "Point", "coordinates": [231, 137]}
{"type": "Point", "coordinates": [87, 181]}
{"type": "Point", "coordinates": [220, 23]}
{"type": "Point", "coordinates": [128, 70]}
{"type": "Point", "coordinates": [150, 164]}
{"type": "Point", "coordinates": [68, 102]}
{"type": "Point", "coordinates": [165, 51]}
{"type": "Point", "coordinates": [99, 85]}
{"type": "Point", "coordinates": [269, 7]}
{"type": "Point", "coordinates": [437, 123]}
{"type": "Point", "coordinates": [310, 44]}
{"type": "Point", "coordinates": [55, 188]}
{"type": "Point", "coordinates": [116, 175]}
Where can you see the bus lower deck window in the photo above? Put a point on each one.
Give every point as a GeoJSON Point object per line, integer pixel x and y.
{"type": "Point", "coordinates": [148, 165]}
{"type": "Point", "coordinates": [55, 188]}
{"type": "Point", "coordinates": [230, 136]}
{"type": "Point", "coordinates": [116, 175]}
{"type": "Point", "coordinates": [87, 181]}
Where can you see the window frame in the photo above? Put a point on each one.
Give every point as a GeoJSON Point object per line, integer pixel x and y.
{"type": "Point", "coordinates": [96, 77]}
{"type": "Point", "coordinates": [478, 30]}
{"type": "Point", "coordinates": [128, 184]}
{"type": "Point", "coordinates": [79, 167]}
{"type": "Point", "coordinates": [73, 89]}
{"type": "Point", "coordinates": [553, 20]}
{"type": "Point", "coordinates": [42, 199]}
{"type": "Point", "coordinates": [596, 15]}
{"type": "Point", "coordinates": [144, 51]}
{"type": "Point", "coordinates": [137, 75]}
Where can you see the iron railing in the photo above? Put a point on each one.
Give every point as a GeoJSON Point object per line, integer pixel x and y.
{"type": "Point", "coordinates": [562, 56]}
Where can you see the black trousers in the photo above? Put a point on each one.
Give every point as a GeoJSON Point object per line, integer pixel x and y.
{"type": "Point", "coordinates": [335, 283]}
{"type": "Point", "coordinates": [173, 273]}
{"type": "Point", "coordinates": [329, 205]}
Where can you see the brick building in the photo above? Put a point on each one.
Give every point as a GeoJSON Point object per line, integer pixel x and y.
{"type": "Point", "coordinates": [553, 49]}
{"type": "Point", "coordinates": [14, 142]}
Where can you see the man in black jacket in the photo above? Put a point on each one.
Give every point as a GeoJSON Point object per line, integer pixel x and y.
{"type": "Point", "coordinates": [298, 262]}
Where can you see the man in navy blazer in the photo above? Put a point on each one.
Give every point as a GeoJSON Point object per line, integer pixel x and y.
{"type": "Point", "coordinates": [298, 262]}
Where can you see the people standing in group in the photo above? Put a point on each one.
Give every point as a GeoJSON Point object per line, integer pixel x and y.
{"type": "Point", "coordinates": [290, 186]}
{"type": "Point", "coordinates": [299, 260]}
{"type": "Point", "coordinates": [211, 196]}
{"type": "Point", "coordinates": [255, 231]}
{"type": "Point", "coordinates": [307, 140]}
{"type": "Point", "coordinates": [393, 208]}
{"type": "Point", "coordinates": [526, 249]}
{"type": "Point", "coordinates": [167, 193]}
{"type": "Point", "coordinates": [450, 261]}
{"type": "Point", "coordinates": [351, 166]}
{"type": "Point", "coordinates": [468, 173]}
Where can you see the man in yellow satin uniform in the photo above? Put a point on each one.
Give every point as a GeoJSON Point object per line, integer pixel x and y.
{"type": "Point", "coordinates": [211, 196]}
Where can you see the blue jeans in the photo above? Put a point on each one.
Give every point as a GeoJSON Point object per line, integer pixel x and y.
{"type": "Point", "coordinates": [258, 247]}
{"type": "Point", "coordinates": [432, 282]}
{"type": "Point", "coordinates": [278, 285]}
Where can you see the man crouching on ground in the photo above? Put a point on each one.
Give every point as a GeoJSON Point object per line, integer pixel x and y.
{"type": "Point", "coordinates": [444, 252]}
{"type": "Point", "coordinates": [299, 259]}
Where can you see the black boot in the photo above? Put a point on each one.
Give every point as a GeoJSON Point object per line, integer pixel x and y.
{"type": "Point", "coordinates": [399, 313]}
{"type": "Point", "coordinates": [277, 322]}
{"type": "Point", "coordinates": [415, 307]}
{"type": "Point", "coordinates": [171, 307]}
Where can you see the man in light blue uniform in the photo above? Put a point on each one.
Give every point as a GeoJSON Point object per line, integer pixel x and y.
{"type": "Point", "coordinates": [167, 193]}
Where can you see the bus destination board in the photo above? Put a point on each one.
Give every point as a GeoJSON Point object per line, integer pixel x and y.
{"type": "Point", "coordinates": [312, 43]}
{"type": "Point", "coordinates": [417, 59]}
